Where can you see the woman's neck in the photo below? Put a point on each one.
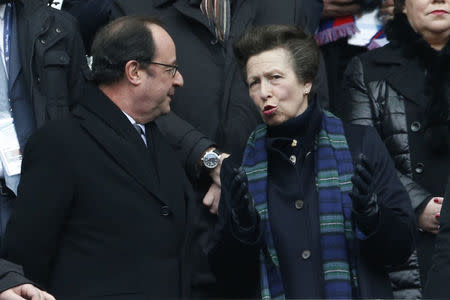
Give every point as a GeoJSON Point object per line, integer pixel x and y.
{"type": "Point", "coordinates": [437, 41]}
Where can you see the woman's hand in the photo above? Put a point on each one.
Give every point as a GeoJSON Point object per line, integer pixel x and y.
{"type": "Point", "coordinates": [429, 218]}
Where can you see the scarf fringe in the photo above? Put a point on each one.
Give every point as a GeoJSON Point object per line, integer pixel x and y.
{"type": "Point", "coordinates": [335, 33]}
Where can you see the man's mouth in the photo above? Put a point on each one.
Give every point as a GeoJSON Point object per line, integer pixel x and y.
{"type": "Point", "coordinates": [269, 110]}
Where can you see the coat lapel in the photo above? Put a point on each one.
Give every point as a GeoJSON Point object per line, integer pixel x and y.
{"type": "Point", "coordinates": [106, 123]}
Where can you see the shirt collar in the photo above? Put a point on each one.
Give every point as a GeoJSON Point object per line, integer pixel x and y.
{"type": "Point", "coordinates": [133, 121]}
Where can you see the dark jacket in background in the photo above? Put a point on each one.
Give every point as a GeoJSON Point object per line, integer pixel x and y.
{"type": "Point", "coordinates": [393, 89]}
{"type": "Point", "coordinates": [52, 58]}
{"type": "Point", "coordinates": [47, 72]}
{"type": "Point", "coordinates": [235, 257]}
{"type": "Point", "coordinates": [91, 16]}
{"type": "Point", "coordinates": [437, 285]}
{"type": "Point", "coordinates": [99, 215]}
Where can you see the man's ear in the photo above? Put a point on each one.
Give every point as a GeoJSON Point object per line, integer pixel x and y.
{"type": "Point", "coordinates": [132, 72]}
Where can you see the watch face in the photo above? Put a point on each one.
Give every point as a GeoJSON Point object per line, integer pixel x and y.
{"type": "Point", "coordinates": [211, 160]}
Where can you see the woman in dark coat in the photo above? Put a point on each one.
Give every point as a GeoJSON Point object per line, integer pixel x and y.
{"type": "Point", "coordinates": [403, 90]}
{"type": "Point", "coordinates": [322, 210]}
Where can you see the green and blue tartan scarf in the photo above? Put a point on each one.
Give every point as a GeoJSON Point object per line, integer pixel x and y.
{"type": "Point", "coordinates": [334, 169]}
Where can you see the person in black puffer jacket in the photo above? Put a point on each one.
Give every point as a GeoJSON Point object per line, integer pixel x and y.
{"type": "Point", "coordinates": [403, 90]}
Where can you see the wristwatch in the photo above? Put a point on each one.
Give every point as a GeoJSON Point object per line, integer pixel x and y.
{"type": "Point", "coordinates": [211, 158]}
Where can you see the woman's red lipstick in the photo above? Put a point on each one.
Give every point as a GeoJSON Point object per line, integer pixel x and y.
{"type": "Point", "coordinates": [269, 110]}
{"type": "Point", "coordinates": [439, 12]}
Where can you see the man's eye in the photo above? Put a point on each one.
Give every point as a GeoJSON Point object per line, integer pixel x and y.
{"type": "Point", "coordinates": [276, 76]}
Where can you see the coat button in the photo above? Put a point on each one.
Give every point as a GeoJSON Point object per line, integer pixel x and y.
{"type": "Point", "coordinates": [293, 159]}
{"type": "Point", "coordinates": [298, 204]}
{"type": "Point", "coordinates": [415, 126]}
{"type": "Point", "coordinates": [165, 210]}
{"type": "Point", "coordinates": [306, 254]}
{"type": "Point", "coordinates": [419, 168]}
{"type": "Point", "coordinates": [58, 30]}
{"type": "Point", "coordinates": [215, 41]}
{"type": "Point", "coordinates": [294, 143]}
{"type": "Point", "coordinates": [43, 42]}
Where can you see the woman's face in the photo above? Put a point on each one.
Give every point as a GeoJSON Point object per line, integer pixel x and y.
{"type": "Point", "coordinates": [275, 88]}
{"type": "Point", "coordinates": [429, 16]}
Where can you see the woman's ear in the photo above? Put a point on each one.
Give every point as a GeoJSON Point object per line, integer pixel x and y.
{"type": "Point", "coordinates": [308, 87]}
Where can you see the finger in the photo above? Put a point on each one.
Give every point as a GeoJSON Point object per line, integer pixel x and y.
{"type": "Point", "coordinates": [364, 161]}
{"type": "Point", "coordinates": [338, 2]}
{"type": "Point", "coordinates": [10, 295]}
{"type": "Point", "coordinates": [47, 296]}
{"type": "Point", "coordinates": [360, 185]}
{"type": "Point", "coordinates": [29, 291]}
{"type": "Point", "coordinates": [438, 200]}
{"type": "Point", "coordinates": [364, 174]}
{"type": "Point", "coordinates": [208, 199]}
{"type": "Point", "coordinates": [216, 200]}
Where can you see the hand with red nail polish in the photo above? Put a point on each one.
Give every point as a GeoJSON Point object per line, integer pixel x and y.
{"type": "Point", "coordinates": [429, 219]}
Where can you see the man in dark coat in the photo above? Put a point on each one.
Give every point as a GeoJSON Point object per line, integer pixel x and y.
{"type": "Point", "coordinates": [110, 212]}
{"type": "Point", "coordinates": [45, 73]}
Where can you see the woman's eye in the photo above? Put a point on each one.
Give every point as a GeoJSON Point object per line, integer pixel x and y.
{"type": "Point", "coordinates": [252, 83]}
{"type": "Point", "coordinates": [275, 77]}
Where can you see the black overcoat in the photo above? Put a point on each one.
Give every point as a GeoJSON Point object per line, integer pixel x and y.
{"type": "Point", "coordinates": [98, 214]}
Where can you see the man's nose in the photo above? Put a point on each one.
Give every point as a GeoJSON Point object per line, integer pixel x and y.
{"type": "Point", "coordinates": [178, 79]}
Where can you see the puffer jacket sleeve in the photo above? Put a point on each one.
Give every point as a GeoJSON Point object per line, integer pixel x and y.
{"type": "Point", "coordinates": [417, 193]}
{"type": "Point", "coordinates": [355, 106]}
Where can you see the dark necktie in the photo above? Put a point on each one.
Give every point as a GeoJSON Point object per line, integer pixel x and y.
{"type": "Point", "coordinates": [141, 132]}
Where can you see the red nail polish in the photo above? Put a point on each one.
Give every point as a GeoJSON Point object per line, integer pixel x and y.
{"type": "Point", "coordinates": [436, 200]}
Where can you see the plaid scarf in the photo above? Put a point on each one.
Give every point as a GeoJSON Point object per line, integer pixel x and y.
{"type": "Point", "coordinates": [334, 169]}
{"type": "Point", "coordinates": [218, 14]}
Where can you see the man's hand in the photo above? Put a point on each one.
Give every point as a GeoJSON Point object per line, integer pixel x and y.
{"type": "Point", "coordinates": [364, 198]}
{"type": "Point", "coordinates": [25, 291]}
{"type": "Point", "coordinates": [429, 218]}
{"type": "Point", "coordinates": [215, 173]}
{"type": "Point", "coordinates": [386, 11]}
{"type": "Point", "coordinates": [212, 199]}
{"type": "Point", "coordinates": [339, 8]}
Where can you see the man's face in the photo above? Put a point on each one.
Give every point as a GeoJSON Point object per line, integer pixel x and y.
{"type": "Point", "coordinates": [158, 83]}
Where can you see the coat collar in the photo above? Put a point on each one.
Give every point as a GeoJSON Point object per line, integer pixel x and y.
{"type": "Point", "coordinates": [106, 123]}
{"type": "Point", "coordinates": [408, 53]}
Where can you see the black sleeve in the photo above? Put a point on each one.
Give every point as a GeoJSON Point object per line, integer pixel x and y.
{"type": "Point", "coordinates": [188, 143]}
{"type": "Point", "coordinates": [42, 205]}
{"type": "Point", "coordinates": [392, 242]}
{"type": "Point", "coordinates": [91, 16]}
{"type": "Point", "coordinates": [11, 275]}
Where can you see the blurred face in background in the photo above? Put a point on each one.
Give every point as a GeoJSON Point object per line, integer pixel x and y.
{"type": "Point", "coordinates": [429, 17]}
{"type": "Point", "coordinates": [274, 86]}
